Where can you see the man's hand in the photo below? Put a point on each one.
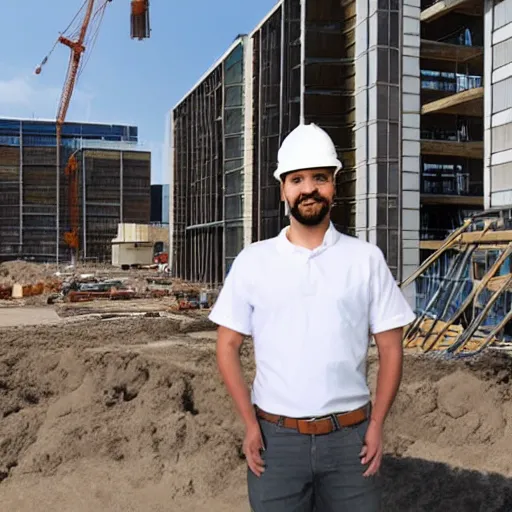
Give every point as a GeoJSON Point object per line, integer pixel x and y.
{"type": "Point", "coordinates": [389, 345]}
{"type": "Point", "coordinates": [228, 358]}
{"type": "Point", "coordinates": [372, 450]}
{"type": "Point", "coordinates": [253, 443]}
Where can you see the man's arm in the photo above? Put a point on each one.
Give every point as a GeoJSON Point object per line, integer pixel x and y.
{"type": "Point", "coordinates": [230, 367]}
{"type": "Point", "coordinates": [389, 313]}
{"type": "Point", "coordinates": [389, 346]}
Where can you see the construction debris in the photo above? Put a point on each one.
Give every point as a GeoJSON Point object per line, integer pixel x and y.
{"type": "Point", "coordinates": [100, 283]}
{"type": "Point", "coordinates": [464, 290]}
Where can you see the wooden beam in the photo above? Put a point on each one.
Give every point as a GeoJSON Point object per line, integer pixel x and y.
{"type": "Point", "coordinates": [475, 8]}
{"type": "Point", "coordinates": [442, 199]}
{"type": "Point", "coordinates": [437, 50]}
{"type": "Point", "coordinates": [489, 237]}
{"type": "Point", "coordinates": [349, 10]}
{"type": "Point", "coordinates": [435, 245]}
{"type": "Point", "coordinates": [474, 149]}
{"type": "Point", "coordinates": [440, 8]}
{"type": "Point", "coordinates": [431, 245]}
{"type": "Point", "coordinates": [497, 282]}
{"type": "Point", "coordinates": [468, 102]}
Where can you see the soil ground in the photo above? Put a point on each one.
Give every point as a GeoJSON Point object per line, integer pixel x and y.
{"type": "Point", "coordinates": [11, 316]}
{"type": "Point", "coordinates": [130, 415]}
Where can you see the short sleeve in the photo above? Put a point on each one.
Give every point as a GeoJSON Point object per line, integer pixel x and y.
{"type": "Point", "coordinates": [388, 307]}
{"type": "Point", "coordinates": [232, 308]}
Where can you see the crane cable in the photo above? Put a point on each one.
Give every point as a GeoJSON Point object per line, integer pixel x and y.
{"type": "Point", "coordinates": [45, 60]}
{"type": "Point", "coordinates": [73, 34]}
{"type": "Point", "coordinates": [92, 39]}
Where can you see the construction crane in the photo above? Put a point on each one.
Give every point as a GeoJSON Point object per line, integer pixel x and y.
{"type": "Point", "coordinates": [83, 31]}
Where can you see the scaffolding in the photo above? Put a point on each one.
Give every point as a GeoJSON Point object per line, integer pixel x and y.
{"type": "Point", "coordinates": [452, 117]}
{"type": "Point", "coordinates": [329, 86]}
{"type": "Point", "coordinates": [198, 179]}
{"type": "Point", "coordinates": [303, 69]}
{"type": "Point", "coordinates": [113, 181]}
{"type": "Point", "coordinates": [464, 289]}
{"type": "Point", "coordinates": [298, 64]}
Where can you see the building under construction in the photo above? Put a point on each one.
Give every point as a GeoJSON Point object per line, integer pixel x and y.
{"type": "Point", "coordinates": [401, 89]}
{"type": "Point", "coordinates": [305, 62]}
{"type": "Point", "coordinates": [113, 186]}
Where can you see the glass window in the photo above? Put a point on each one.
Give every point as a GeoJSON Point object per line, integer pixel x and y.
{"type": "Point", "coordinates": [233, 96]}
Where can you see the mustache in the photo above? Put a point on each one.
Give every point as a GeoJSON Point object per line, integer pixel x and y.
{"type": "Point", "coordinates": [315, 196]}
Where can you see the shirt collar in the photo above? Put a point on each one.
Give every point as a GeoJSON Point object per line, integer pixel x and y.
{"type": "Point", "coordinates": [285, 246]}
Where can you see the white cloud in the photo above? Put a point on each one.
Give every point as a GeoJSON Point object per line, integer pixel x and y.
{"type": "Point", "coordinates": [24, 97]}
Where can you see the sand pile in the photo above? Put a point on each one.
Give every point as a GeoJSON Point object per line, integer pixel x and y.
{"type": "Point", "coordinates": [24, 272]}
{"type": "Point", "coordinates": [458, 413]}
{"type": "Point", "coordinates": [131, 415]}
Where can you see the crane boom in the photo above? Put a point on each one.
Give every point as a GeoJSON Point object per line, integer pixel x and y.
{"type": "Point", "coordinates": [77, 49]}
{"type": "Point", "coordinates": [77, 45]}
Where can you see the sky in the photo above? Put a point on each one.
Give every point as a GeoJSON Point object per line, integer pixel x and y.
{"type": "Point", "coordinates": [125, 80]}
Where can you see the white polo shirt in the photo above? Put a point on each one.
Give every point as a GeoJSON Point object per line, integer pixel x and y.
{"type": "Point", "coordinates": [311, 313]}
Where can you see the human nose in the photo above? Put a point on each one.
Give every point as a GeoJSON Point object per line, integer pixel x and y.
{"type": "Point", "coordinates": [308, 186]}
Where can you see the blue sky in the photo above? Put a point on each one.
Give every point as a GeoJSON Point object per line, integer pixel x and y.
{"type": "Point", "coordinates": [125, 80]}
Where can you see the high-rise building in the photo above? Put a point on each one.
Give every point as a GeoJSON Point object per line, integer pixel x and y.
{"type": "Point", "coordinates": [159, 204]}
{"type": "Point", "coordinates": [498, 103]}
{"type": "Point", "coordinates": [402, 89]}
{"type": "Point", "coordinates": [113, 179]}
{"type": "Point", "coordinates": [211, 181]}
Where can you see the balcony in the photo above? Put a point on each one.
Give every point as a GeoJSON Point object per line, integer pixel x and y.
{"type": "Point", "coordinates": [457, 53]}
{"type": "Point", "coordinates": [472, 149]}
{"type": "Point", "coordinates": [468, 103]}
{"type": "Point", "coordinates": [459, 200]}
{"type": "Point", "coordinates": [441, 8]}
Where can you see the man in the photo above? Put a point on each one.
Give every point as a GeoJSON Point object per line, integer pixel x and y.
{"type": "Point", "coordinates": [310, 298]}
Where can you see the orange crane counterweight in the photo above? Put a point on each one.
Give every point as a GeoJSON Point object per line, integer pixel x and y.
{"type": "Point", "coordinates": [139, 19]}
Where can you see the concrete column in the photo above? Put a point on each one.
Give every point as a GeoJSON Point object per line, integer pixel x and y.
{"type": "Point", "coordinates": [497, 104]}
{"type": "Point", "coordinates": [377, 132]}
{"type": "Point", "coordinates": [248, 141]}
{"type": "Point", "coordinates": [170, 160]}
{"type": "Point", "coordinates": [411, 148]}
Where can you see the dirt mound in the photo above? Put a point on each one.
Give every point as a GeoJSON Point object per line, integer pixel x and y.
{"type": "Point", "coordinates": [135, 409]}
{"type": "Point", "coordinates": [24, 272]}
{"type": "Point", "coordinates": [459, 413]}
{"type": "Point", "coordinates": [152, 410]}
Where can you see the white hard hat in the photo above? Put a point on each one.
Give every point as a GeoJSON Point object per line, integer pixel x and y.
{"type": "Point", "coordinates": [306, 147]}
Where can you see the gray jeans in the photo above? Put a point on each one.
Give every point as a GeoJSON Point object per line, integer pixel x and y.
{"type": "Point", "coordinates": [305, 473]}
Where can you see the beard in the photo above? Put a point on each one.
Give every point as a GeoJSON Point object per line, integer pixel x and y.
{"type": "Point", "coordinates": [315, 217]}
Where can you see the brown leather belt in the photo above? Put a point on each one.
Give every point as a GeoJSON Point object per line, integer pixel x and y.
{"type": "Point", "coordinates": [318, 426]}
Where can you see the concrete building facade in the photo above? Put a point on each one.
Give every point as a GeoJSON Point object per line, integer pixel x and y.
{"type": "Point", "coordinates": [400, 88]}
{"type": "Point", "coordinates": [498, 103]}
{"type": "Point", "coordinates": [113, 184]}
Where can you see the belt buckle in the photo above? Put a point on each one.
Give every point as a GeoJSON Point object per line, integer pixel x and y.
{"type": "Point", "coordinates": [304, 420]}
{"type": "Point", "coordinates": [334, 422]}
